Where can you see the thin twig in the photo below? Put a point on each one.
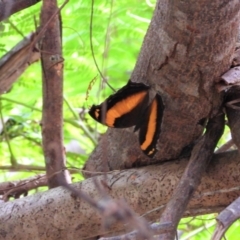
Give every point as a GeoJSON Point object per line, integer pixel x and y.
{"type": "Point", "coordinates": [18, 188]}
{"type": "Point", "coordinates": [91, 46]}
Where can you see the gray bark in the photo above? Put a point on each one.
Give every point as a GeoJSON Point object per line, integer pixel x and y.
{"type": "Point", "coordinates": [55, 214]}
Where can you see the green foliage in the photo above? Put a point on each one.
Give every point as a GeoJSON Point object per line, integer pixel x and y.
{"type": "Point", "coordinates": [118, 28]}
{"type": "Point", "coordinates": [196, 227]}
{"type": "Point", "coordinates": [203, 227]}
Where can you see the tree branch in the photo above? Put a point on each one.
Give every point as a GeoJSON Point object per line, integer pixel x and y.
{"type": "Point", "coordinates": [17, 188]}
{"type": "Point", "coordinates": [15, 62]}
{"type": "Point", "coordinates": [145, 189]}
{"type": "Point", "coordinates": [52, 71]}
{"type": "Point", "coordinates": [200, 157]}
{"type": "Point", "coordinates": [9, 7]}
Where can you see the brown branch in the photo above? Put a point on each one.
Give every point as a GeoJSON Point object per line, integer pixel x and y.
{"type": "Point", "coordinates": [9, 7]}
{"type": "Point", "coordinates": [56, 213]}
{"type": "Point", "coordinates": [200, 157]}
{"type": "Point", "coordinates": [232, 212]}
{"type": "Point", "coordinates": [52, 71]}
{"type": "Point", "coordinates": [17, 188]}
{"type": "Point", "coordinates": [226, 218]}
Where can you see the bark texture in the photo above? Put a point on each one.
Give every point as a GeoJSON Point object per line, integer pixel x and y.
{"type": "Point", "coordinates": [52, 71]}
{"type": "Point", "coordinates": [55, 214]}
{"type": "Point", "coordinates": [188, 46]}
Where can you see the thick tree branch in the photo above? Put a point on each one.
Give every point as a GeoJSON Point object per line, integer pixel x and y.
{"type": "Point", "coordinates": [144, 189]}
{"type": "Point", "coordinates": [9, 7]}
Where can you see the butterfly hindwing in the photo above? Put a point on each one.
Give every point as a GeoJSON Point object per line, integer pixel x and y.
{"type": "Point", "coordinates": [150, 126]}
{"type": "Point", "coordinates": [122, 109]}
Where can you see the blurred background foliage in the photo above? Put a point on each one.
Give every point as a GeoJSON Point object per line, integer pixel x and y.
{"type": "Point", "coordinates": [118, 29]}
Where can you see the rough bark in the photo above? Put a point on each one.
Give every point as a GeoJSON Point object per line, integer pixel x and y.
{"type": "Point", "coordinates": [52, 72]}
{"type": "Point", "coordinates": [188, 46]}
{"type": "Point", "coordinates": [56, 215]}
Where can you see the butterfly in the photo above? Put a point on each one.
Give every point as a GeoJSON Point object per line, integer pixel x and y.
{"type": "Point", "coordinates": [129, 107]}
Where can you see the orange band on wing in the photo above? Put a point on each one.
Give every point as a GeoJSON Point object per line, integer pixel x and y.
{"type": "Point", "coordinates": [123, 107]}
{"type": "Point", "coordinates": [152, 124]}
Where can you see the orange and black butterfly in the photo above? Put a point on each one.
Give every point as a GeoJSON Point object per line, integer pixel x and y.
{"type": "Point", "coordinates": [130, 107]}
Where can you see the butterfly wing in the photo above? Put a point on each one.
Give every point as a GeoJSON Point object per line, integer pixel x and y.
{"type": "Point", "coordinates": [122, 109]}
{"type": "Point", "coordinates": [150, 126]}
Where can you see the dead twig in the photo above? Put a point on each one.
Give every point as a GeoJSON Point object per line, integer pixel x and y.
{"type": "Point", "coordinates": [17, 188]}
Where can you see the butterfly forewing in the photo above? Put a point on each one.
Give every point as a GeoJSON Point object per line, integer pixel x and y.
{"type": "Point", "coordinates": [122, 109]}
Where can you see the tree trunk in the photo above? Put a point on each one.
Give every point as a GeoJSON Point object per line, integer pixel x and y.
{"type": "Point", "coordinates": [188, 46]}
